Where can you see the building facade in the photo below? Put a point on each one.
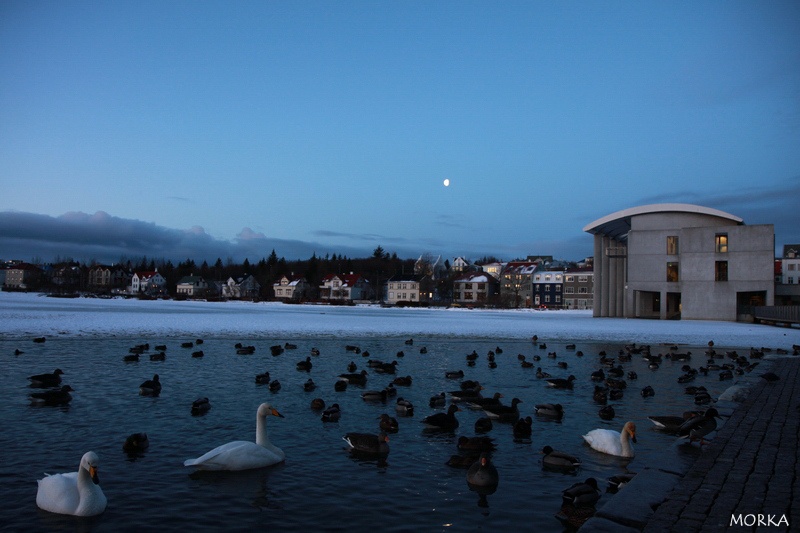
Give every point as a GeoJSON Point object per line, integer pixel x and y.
{"type": "Point", "coordinates": [680, 261]}
{"type": "Point", "coordinates": [405, 289]}
{"type": "Point", "coordinates": [516, 284]}
{"type": "Point", "coordinates": [474, 288]}
{"type": "Point", "coordinates": [579, 288]}
{"type": "Point", "coordinates": [291, 288]}
{"type": "Point", "coordinates": [548, 289]}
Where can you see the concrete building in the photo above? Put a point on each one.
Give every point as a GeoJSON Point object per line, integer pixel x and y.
{"type": "Point", "coordinates": [579, 288]}
{"type": "Point", "coordinates": [680, 261]}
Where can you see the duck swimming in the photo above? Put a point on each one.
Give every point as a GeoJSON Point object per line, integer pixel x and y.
{"type": "Point", "coordinates": [443, 420]}
{"type": "Point", "coordinates": [613, 442]}
{"type": "Point", "coordinates": [483, 473]}
{"type": "Point", "coordinates": [47, 380]}
{"type": "Point", "coordinates": [74, 493]}
{"type": "Point", "coordinates": [60, 396]}
{"type": "Point", "coordinates": [559, 460]}
{"type": "Point", "coordinates": [150, 387]}
{"type": "Point", "coordinates": [244, 455]}
{"type": "Point", "coordinates": [368, 443]}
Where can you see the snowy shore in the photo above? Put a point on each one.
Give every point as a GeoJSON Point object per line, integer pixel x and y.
{"type": "Point", "coordinates": [24, 315]}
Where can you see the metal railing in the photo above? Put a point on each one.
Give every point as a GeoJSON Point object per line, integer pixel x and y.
{"type": "Point", "coordinates": [789, 314]}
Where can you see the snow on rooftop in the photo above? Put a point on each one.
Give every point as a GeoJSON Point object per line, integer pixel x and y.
{"type": "Point", "coordinates": [28, 315]}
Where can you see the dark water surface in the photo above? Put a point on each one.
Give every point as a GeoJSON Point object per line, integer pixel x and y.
{"type": "Point", "coordinates": [320, 486]}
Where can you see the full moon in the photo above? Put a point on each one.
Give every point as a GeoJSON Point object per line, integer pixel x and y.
{"type": "Point", "coordinates": [446, 183]}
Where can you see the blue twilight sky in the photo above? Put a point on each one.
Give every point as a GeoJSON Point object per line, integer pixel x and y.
{"type": "Point", "coordinates": [226, 129]}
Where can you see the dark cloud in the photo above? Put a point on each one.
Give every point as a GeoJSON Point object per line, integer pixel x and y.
{"type": "Point", "coordinates": [107, 238]}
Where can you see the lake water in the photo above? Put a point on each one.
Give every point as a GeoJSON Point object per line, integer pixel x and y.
{"type": "Point", "coordinates": [320, 486]}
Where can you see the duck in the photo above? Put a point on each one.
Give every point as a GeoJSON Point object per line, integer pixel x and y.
{"type": "Point", "coordinates": [332, 413]}
{"type": "Point", "coordinates": [607, 412]}
{"type": "Point", "coordinates": [618, 481]}
{"type": "Point", "coordinates": [241, 454]}
{"type": "Point", "coordinates": [274, 385]}
{"type": "Point", "coordinates": [482, 403]}
{"type": "Point", "coordinates": [454, 374]}
{"type": "Point", "coordinates": [136, 443]}
{"type": "Point", "coordinates": [368, 443]}
{"type": "Point", "coordinates": [648, 391]}
{"type": "Point", "coordinates": [446, 420]}
{"type": "Point", "coordinates": [541, 374]}
{"type": "Point", "coordinates": [699, 426]}
{"type": "Point", "coordinates": [671, 423]}
{"type": "Point", "coordinates": [160, 356]}
{"type": "Point", "coordinates": [374, 395]}
{"type": "Point", "coordinates": [403, 381]}
{"type": "Point", "coordinates": [523, 428]}
{"type": "Point", "coordinates": [483, 424]}
{"type": "Point", "coordinates": [613, 442]}
{"type": "Point", "coordinates": [388, 423]}
{"type": "Point", "coordinates": [131, 358]}
{"type": "Point", "coordinates": [504, 413]}
{"type": "Point", "coordinates": [340, 386]}
{"type": "Point", "coordinates": [305, 365]}
{"type": "Point", "coordinates": [263, 379]}
{"type": "Point", "coordinates": [200, 406]}
{"type": "Point", "coordinates": [483, 473]}
{"type": "Point", "coordinates": [355, 379]}
{"type": "Point", "coordinates": [560, 383]}
{"type": "Point", "coordinates": [318, 404]}
{"type": "Point", "coordinates": [351, 367]}
{"type": "Point", "coordinates": [476, 444]}
{"type": "Point", "coordinates": [47, 380]}
{"type": "Point", "coordinates": [150, 387]}
{"type": "Point", "coordinates": [404, 407]}
{"type": "Point", "coordinates": [549, 410]}
{"type": "Point", "coordinates": [309, 385]}
{"type": "Point", "coordinates": [60, 396]}
{"type": "Point", "coordinates": [438, 400]}
{"type": "Point", "coordinates": [559, 460]}
{"type": "Point", "coordinates": [74, 493]}
{"type": "Point", "coordinates": [462, 461]}
{"type": "Point", "coordinates": [582, 494]}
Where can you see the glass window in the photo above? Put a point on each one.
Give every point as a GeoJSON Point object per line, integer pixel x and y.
{"type": "Point", "coordinates": [672, 245]}
{"type": "Point", "coordinates": [672, 272]}
{"type": "Point", "coordinates": [721, 271]}
{"type": "Point", "coordinates": [721, 243]}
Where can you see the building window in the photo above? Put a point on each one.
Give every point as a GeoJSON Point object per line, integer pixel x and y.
{"type": "Point", "coordinates": [721, 243]}
{"type": "Point", "coordinates": [570, 279]}
{"type": "Point", "coordinates": [558, 299]}
{"type": "Point", "coordinates": [547, 288]}
{"type": "Point", "coordinates": [583, 279]}
{"type": "Point", "coordinates": [672, 272]}
{"type": "Point", "coordinates": [547, 299]}
{"type": "Point", "coordinates": [721, 271]}
{"type": "Point", "coordinates": [558, 288]}
{"type": "Point", "coordinates": [791, 266]}
{"type": "Point", "coordinates": [790, 280]}
{"type": "Point", "coordinates": [672, 245]}
{"type": "Point", "coordinates": [570, 290]}
{"type": "Point", "coordinates": [583, 290]}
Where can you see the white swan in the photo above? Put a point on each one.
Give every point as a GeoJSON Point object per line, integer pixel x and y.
{"type": "Point", "coordinates": [242, 454]}
{"type": "Point", "coordinates": [73, 493]}
{"type": "Point", "coordinates": [613, 442]}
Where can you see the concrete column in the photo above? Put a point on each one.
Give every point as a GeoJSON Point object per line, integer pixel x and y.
{"type": "Point", "coordinates": [604, 281]}
{"type": "Point", "coordinates": [662, 310]}
{"type": "Point", "coordinates": [612, 286]}
{"type": "Point", "coordinates": [598, 276]}
{"type": "Point", "coordinates": [620, 282]}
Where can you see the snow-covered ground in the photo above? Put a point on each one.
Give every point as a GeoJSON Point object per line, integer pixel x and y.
{"type": "Point", "coordinates": [26, 315]}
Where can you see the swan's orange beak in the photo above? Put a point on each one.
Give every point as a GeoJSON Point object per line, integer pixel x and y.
{"type": "Point", "coordinates": [276, 413]}
{"type": "Point", "coordinates": [93, 474]}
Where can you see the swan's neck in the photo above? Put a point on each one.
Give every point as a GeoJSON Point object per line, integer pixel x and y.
{"type": "Point", "coordinates": [261, 432]}
{"type": "Point", "coordinates": [625, 442]}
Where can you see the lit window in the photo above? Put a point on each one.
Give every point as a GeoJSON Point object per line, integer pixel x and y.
{"type": "Point", "coordinates": [672, 272]}
{"type": "Point", "coordinates": [721, 243]}
{"type": "Point", "coordinates": [672, 245]}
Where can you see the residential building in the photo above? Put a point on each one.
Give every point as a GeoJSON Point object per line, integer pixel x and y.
{"type": "Point", "coordinates": [347, 287]}
{"type": "Point", "coordinates": [145, 282]}
{"type": "Point", "coordinates": [240, 287]}
{"type": "Point", "coordinates": [105, 277]}
{"type": "Point", "coordinates": [459, 264]}
{"type": "Point", "coordinates": [405, 289]}
{"type": "Point", "coordinates": [475, 288]}
{"type": "Point", "coordinates": [680, 261]}
{"type": "Point", "coordinates": [495, 269]}
{"type": "Point", "coordinates": [787, 288]}
{"type": "Point", "coordinates": [292, 288]}
{"type": "Point", "coordinates": [23, 276]}
{"type": "Point", "coordinates": [516, 287]}
{"type": "Point", "coordinates": [578, 290]}
{"type": "Point", "coordinates": [548, 288]}
{"type": "Point", "coordinates": [192, 287]}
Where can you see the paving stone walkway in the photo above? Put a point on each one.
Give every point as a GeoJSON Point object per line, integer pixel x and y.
{"type": "Point", "coordinates": [750, 470]}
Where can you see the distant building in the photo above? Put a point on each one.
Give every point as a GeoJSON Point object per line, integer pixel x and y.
{"type": "Point", "coordinates": [474, 288]}
{"type": "Point", "coordinates": [459, 264]}
{"type": "Point", "coordinates": [548, 288]}
{"type": "Point", "coordinates": [240, 287]}
{"type": "Point", "coordinates": [192, 287]}
{"type": "Point", "coordinates": [680, 261]}
{"type": "Point", "coordinates": [347, 287]}
{"type": "Point", "coordinates": [291, 288]}
{"type": "Point", "coordinates": [495, 269]}
{"type": "Point", "coordinates": [579, 288]}
{"type": "Point", "coordinates": [105, 277]}
{"type": "Point", "coordinates": [147, 282]}
{"type": "Point", "coordinates": [23, 276]}
{"type": "Point", "coordinates": [787, 287]}
{"type": "Point", "coordinates": [516, 284]}
{"type": "Point", "coordinates": [405, 289]}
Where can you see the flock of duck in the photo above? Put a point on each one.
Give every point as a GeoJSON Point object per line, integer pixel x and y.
{"type": "Point", "coordinates": [78, 493]}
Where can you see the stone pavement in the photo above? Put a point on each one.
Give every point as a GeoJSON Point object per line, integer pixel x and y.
{"type": "Point", "coordinates": [747, 479]}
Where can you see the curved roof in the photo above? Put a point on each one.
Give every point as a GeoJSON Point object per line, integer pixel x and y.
{"type": "Point", "coordinates": [617, 225]}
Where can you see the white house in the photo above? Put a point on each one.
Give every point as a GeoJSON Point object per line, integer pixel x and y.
{"type": "Point", "coordinates": [345, 287]}
{"type": "Point", "coordinates": [291, 288]}
{"type": "Point", "coordinates": [402, 289]}
{"type": "Point", "coordinates": [147, 282]}
{"type": "Point", "coordinates": [192, 286]}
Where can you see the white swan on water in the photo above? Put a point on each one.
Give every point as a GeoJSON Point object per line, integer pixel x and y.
{"type": "Point", "coordinates": [242, 454]}
{"type": "Point", "coordinates": [613, 442]}
{"type": "Point", "coordinates": [74, 493]}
